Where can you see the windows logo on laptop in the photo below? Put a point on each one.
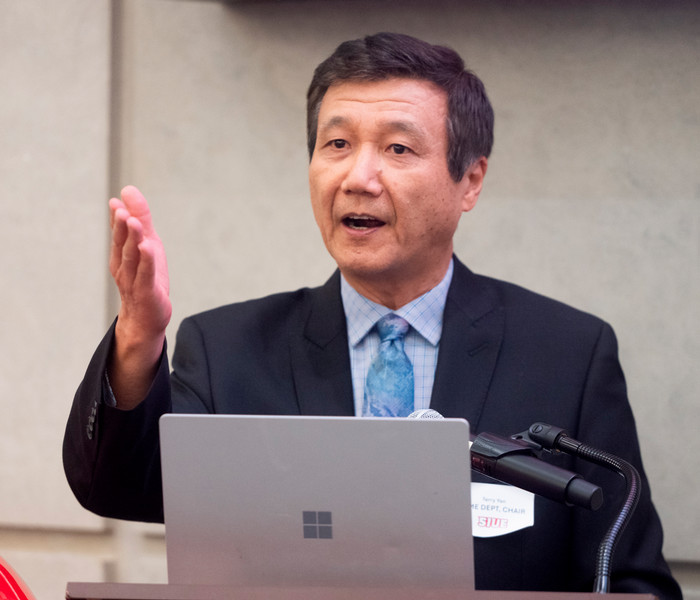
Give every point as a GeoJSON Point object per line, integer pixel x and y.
{"type": "Point", "coordinates": [318, 525]}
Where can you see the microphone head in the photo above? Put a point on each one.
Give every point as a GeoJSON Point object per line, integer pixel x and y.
{"type": "Point", "coordinates": [425, 413]}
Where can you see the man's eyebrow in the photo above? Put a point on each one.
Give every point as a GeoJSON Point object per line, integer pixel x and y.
{"type": "Point", "coordinates": [336, 121]}
{"type": "Point", "coordinates": [406, 127]}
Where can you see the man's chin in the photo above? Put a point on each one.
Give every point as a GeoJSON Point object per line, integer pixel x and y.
{"type": "Point", "coordinates": [374, 274]}
{"type": "Point", "coordinates": [369, 268]}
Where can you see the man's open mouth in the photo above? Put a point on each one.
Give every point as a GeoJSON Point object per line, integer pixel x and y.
{"type": "Point", "coordinates": [362, 222]}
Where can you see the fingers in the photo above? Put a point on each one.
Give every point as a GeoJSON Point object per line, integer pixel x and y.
{"type": "Point", "coordinates": [134, 202]}
{"type": "Point", "coordinates": [130, 221]}
{"type": "Point", "coordinates": [130, 252]}
{"type": "Point", "coordinates": [127, 234]}
{"type": "Point", "coordinates": [144, 274]}
{"type": "Point", "coordinates": [119, 235]}
{"type": "Point", "coordinates": [114, 205]}
{"type": "Point", "coordinates": [120, 229]}
{"type": "Point", "coordinates": [137, 262]}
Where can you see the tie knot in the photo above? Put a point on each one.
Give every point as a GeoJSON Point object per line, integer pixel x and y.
{"type": "Point", "coordinates": [391, 327]}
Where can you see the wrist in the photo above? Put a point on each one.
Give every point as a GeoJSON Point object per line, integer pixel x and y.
{"type": "Point", "coordinates": [133, 363]}
{"type": "Point", "coordinates": [134, 341]}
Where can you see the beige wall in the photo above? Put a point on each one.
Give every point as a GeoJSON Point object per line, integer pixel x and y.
{"type": "Point", "coordinates": [592, 196]}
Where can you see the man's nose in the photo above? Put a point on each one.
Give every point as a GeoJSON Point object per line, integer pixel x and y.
{"type": "Point", "coordinates": [364, 173]}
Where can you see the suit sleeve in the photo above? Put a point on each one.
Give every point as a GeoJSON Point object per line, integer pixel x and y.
{"type": "Point", "coordinates": [111, 457]}
{"type": "Point", "coordinates": [606, 422]}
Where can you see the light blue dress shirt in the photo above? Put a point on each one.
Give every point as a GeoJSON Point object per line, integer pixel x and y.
{"type": "Point", "coordinates": [422, 343]}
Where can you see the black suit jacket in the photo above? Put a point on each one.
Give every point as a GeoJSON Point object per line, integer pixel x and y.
{"type": "Point", "coordinates": [507, 358]}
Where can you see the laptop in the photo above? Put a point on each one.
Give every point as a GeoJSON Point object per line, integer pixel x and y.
{"type": "Point", "coordinates": [317, 501]}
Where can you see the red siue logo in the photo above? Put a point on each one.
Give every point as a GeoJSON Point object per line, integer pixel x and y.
{"type": "Point", "coordinates": [492, 522]}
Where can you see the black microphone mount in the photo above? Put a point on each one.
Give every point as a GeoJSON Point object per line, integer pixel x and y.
{"type": "Point", "coordinates": [513, 461]}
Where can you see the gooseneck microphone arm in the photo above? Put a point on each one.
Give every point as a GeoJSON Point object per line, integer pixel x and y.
{"type": "Point", "coordinates": [555, 438]}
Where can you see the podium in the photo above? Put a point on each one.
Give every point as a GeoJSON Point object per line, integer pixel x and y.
{"type": "Point", "coordinates": [138, 591]}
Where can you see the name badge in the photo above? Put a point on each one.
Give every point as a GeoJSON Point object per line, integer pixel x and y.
{"type": "Point", "coordinates": [500, 509]}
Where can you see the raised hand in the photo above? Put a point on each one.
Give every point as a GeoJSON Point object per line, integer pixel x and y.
{"type": "Point", "coordinates": [138, 265]}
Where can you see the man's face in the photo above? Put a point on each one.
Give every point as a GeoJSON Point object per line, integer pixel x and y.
{"type": "Point", "coordinates": [380, 188]}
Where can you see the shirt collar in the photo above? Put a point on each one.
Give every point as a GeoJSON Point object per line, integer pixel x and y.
{"type": "Point", "coordinates": [424, 313]}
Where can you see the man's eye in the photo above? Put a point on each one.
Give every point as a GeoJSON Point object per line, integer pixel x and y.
{"type": "Point", "coordinates": [399, 148]}
{"type": "Point", "coordinates": [339, 144]}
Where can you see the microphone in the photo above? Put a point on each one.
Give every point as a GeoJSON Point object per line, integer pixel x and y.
{"type": "Point", "coordinates": [513, 462]}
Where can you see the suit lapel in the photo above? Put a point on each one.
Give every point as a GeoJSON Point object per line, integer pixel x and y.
{"type": "Point", "coordinates": [471, 338]}
{"type": "Point", "coordinates": [319, 354]}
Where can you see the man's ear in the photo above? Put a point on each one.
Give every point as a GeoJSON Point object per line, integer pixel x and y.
{"type": "Point", "coordinates": [472, 183]}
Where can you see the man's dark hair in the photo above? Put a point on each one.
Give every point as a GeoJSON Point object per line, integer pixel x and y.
{"type": "Point", "coordinates": [387, 55]}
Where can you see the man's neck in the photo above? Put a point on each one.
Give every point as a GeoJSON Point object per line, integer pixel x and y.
{"type": "Point", "coordinates": [394, 294]}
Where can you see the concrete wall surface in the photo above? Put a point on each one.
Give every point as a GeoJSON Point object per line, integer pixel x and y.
{"type": "Point", "coordinates": [592, 197]}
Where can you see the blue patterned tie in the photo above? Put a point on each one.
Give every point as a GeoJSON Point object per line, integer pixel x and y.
{"type": "Point", "coordinates": [389, 386]}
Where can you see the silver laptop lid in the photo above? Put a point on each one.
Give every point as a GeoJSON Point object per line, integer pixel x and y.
{"type": "Point", "coordinates": [335, 501]}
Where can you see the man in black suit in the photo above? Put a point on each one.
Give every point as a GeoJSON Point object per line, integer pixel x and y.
{"type": "Point", "coordinates": [399, 138]}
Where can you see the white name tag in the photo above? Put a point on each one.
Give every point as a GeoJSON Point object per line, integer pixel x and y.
{"type": "Point", "coordinates": [500, 509]}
